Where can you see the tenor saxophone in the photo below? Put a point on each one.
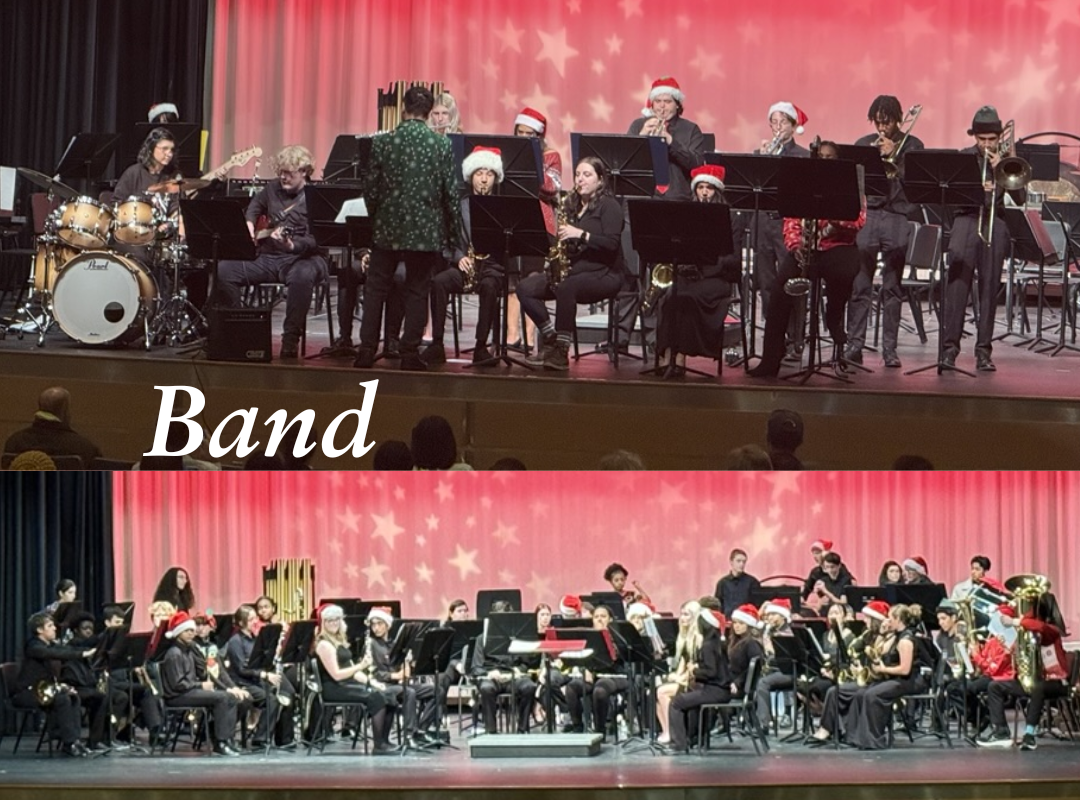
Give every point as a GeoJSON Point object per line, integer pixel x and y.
{"type": "Point", "coordinates": [472, 274]}
{"type": "Point", "coordinates": [557, 264]}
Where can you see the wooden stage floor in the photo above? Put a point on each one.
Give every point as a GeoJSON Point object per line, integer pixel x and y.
{"type": "Point", "coordinates": [1025, 415]}
{"type": "Point", "coordinates": [789, 771]}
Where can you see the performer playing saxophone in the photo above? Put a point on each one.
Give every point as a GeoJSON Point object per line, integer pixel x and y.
{"type": "Point", "coordinates": [594, 225]}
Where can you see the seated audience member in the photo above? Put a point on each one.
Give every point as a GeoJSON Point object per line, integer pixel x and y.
{"type": "Point", "coordinates": [260, 461]}
{"type": "Point", "coordinates": [175, 440]}
{"type": "Point", "coordinates": [620, 460]}
{"type": "Point", "coordinates": [51, 431]}
{"type": "Point", "coordinates": [32, 461]}
{"type": "Point", "coordinates": [393, 454]}
{"type": "Point", "coordinates": [784, 435]}
{"type": "Point", "coordinates": [434, 446]}
{"type": "Point", "coordinates": [912, 463]}
{"type": "Point", "coordinates": [747, 457]}
{"type": "Point", "coordinates": [508, 464]}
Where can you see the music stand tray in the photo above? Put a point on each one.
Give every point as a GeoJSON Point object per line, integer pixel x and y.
{"type": "Point", "coordinates": [875, 181]}
{"type": "Point", "coordinates": [216, 231]}
{"type": "Point", "coordinates": [188, 138]}
{"type": "Point", "coordinates": [523, 162]}
{"type": "Point", "coordinates": [87, 155]}
{"type": "Point", "coordinates": [943, 178]}
{"type": "Point", "coordinates": [349, 158]}
{"type": "Point", "coordinates": [324, 204]}
{"type": "Point", "coordinates": [638, 164]}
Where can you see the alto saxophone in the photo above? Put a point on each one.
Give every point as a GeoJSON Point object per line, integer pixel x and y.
{"type": "Point", "coordinates": [557, 264]}
{"type": "Point", "coordinates": [472, 274]}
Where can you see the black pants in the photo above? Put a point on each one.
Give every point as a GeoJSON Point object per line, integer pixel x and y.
{"type": "Point", "coordinates": [769, 255]}
{"type": "Point", "coordinates": [886, 232]}
{"type": "Point", "coordinates": [683, 712]}
{"type": "Point", "coordinates": [575, 693]}
{"type": "Point", "coordinates": [98, 710]}
{"type": "Point", "coordinates": [837, 268]}
{"type": "Point", "coordinates": [452, 281]}
{"type": "Point", "coordinates": [222, 705]}
{"type": "Point", "coordinates": [1000, 691]}
{"type": "Point", "coordinates": [968, 255]}
{"type": "Point", "coordinates": [418, 270]}
{"type": "Point", "coordinates": [268, 700]}
{"type": "Point", "coordinates": [299, 274]}
{"type": "Point", "coordinates": [374, 703]}
{"type": "Point", "coordinates": [524, 692]}
{"type": "Point", "coordinates": [580, 287]}
{"type": "Point", "coordinates": [64, 716]}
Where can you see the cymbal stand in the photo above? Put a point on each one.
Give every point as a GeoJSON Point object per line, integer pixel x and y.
{"type": "Point", "coordinates": [177, 316]}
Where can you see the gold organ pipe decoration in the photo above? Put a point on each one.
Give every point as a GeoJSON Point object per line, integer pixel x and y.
{"type": "Point", "coordinates": [290, 582]}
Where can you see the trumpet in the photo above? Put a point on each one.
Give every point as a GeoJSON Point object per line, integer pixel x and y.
{"type": "Point", "coordinates": [660, 129]}
{"type": "Point", "coordinates": [774, 147]}
{"type": "Point", "coordinates": [891, 167]}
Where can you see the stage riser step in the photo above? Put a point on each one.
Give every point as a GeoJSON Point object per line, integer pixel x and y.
{"type": "Point", "coordinates": [536, 745]}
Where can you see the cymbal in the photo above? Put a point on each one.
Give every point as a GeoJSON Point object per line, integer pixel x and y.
{"type": "Point", "coordinates": [178, 185]}
{"type": "Point", "coordinates": [48, 183]}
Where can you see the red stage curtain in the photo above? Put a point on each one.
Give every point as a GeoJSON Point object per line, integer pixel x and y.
{"type": "Point", "coordinates": [427, 538]}
{"type": "Point", "coordinates": [288, 71]}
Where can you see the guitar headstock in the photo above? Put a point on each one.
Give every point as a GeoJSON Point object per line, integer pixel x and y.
{"type": "Point", "coordinates": [237, 159]}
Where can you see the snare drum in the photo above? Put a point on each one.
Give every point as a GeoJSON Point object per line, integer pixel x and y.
{"type": "Point", "coordinates": [85, 223]}
{"type": "Point", "coordinates": [136, 221]}
{"type": "Point", "coordinates": [98, 296]}
{"type": "Point", "coordinates": [51, 256]}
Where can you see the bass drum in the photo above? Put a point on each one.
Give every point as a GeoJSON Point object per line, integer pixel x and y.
{"type": "Point", "coordinates": [48, 261]}
{"type": "Point", "coordinates": [99, 296]}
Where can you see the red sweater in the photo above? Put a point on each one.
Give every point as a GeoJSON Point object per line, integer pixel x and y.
{"type": "Point", "coordinates": [839, 232]}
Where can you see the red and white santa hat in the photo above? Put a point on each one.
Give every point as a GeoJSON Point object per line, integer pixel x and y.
{"type": "Point", "coordinates": [531, 118]}
{"type": "Point", "coordinates": [746, 614]}
{"type": "Point", "coordinates": [876, 609]}
{"type": "Point", "coordinates": [570, 605]}
{"type": "Point", "coordinates": [916, 564]}
{"type": "Point", "coordinates": [793, 112]}
{"type": "Point", "coordinates": [821, 544]}
{"type": "Point", "coordinates": [662, 86]}
{"type": "Point", "coordinates": [714, 618]}
{"type": "Point", "coordinates": [483, 158]}
{"type": "Point", "coordinates": [178, 623]}
{"type": "Point", "coordinates": [157, 109]}
{"type": "Point", "coordinates": [708, 173]}
{"type": "Point", "coordinates": [778, 605]}
{"type": "Point", "coordinates": [381, 613]}
{"type": "Point", "coordinates": [638, 609]}
{"type": "Point", "coordinates": [329, 611]}
{"type": "Point", "coordinates": [1006, 610]}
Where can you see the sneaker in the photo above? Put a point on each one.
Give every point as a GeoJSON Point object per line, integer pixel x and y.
{"type": "Point", "coordinates": [949, 359]}
{"type": "Point", "coordinates": [854, 355]}
{"type": "Point", "coordinates": [392, 349]}
{"type": "Point", "coordinates": [365, 358]}
{"type": "Point", "coordinates": [999, 737]}
{"type": "Point", "coordinates": [556, 357]}
{"type": "Point", "coordinates": [785, 721]}
{"type": "Point", "coordinates": [289, 349]}
{"type": "Point", "coordinates": [891, 359]}
{"type": "Point", "coordinates": [1028, 742]}
{"type": "Point", "coordinates": [983, 362]}
{"type": "Point", "coordinates": [434, 354]}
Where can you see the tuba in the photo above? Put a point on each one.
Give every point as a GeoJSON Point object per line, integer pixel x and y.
{"type": "Point", "coordinates": [1027, 591]}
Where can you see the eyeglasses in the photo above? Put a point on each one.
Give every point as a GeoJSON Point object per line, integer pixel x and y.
{"type": "Point", "coordinates": [289, 173]}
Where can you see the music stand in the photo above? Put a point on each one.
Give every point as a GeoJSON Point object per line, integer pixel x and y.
{"type": "Point", "coordinates": [636, 164]}
{"type": "Point", "coordinates": [943, 178]}
{"type": "Point", "coordinates": [504, 628]}
{"type": "Point", "coordinates": [750, 184]}
{"type": "Point", "coordinates": [432, 659]}
{"type": "Point", "coordinates": [764, 594]}
{"type": "Point", "coordinates": [513, 226]}
{"type": "Point", "coordinates": [186, 135]}
{"type": "Point", "coordinates": [87, 155]}
{"type": "Point", "coordinates": [679, 232]}
{"type": "Point", "coordinates": [523, 162]}
{"type": "Point", "coordinates": [1031, 242]}
{"type": "Point", "coordinates": [638, 654]}
{"type": "Point", "coordinates": [611, 600]}
{"type": "Point", "coordinates": [349, 158]}
{"type": "Point", "coordinates": [925, 595]}
{"type": "Point", "coordinates": [859, 596]}
{"type": "Point", "coordinates": [875, 181]}
{"type": "Point", "coordinates": [817, 189]}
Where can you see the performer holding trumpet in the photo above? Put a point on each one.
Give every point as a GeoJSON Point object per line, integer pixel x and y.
{"type": "Point", "coordinates": [886, 231]}
{"type": "Point", "coordinates": [686, 144]}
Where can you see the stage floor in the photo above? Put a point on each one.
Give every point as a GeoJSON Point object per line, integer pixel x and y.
{"type": "Point", "coordinates": [1022, 416]}
{"type": "Point", "coordinates": [919, 770]}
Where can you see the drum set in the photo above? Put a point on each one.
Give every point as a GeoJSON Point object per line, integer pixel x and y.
{"type": "Point", "coordinates": [87, 279]}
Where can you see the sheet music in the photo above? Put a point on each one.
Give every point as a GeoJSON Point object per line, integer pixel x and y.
{"type": "Point", "coordinates": [7, 190]}
{"type": "Point", "coordinates": [352, 208]}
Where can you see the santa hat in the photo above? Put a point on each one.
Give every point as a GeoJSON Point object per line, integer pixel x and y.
{"type": "Point", "coordinates": [746, 614]}
{"type": "Point", "coordinates": [1006, 610]}
{"type": "Point", "coordinates": [714, 618]}
{"type": "Point", "coordinates": [570, 605]}
{"type": "Point", "coordinates": [206, 618]}
{"type": "Point", "coordinates": [876, 609]}
{"type": "Point", "coordinates": [158, 109]}
{"type": "Point", "coordinates": [178, 623]}
{"type": "Point", "coordinates": [781, 606]}
{"type": "Point", "coordinates": [821, 544]}
{"type": "Point", "coordinates": [709, 173]}
{"type": "Point", "coordinates": [483, 158]}
{"type": "Point", "coordinates": [531, 118]}
{"type": "Point", "coordinates": [666, 85]}
{"type": "Point", "coordinates": [380, 613]}
{"type": "Point", "coordinates": [796, 114]}
{"type": "Point", "coordinates": [329, 611]}
{"type": "Point", "coordinates": [916, 564]}
{"type": "Point", "coordinates": [638, 610]}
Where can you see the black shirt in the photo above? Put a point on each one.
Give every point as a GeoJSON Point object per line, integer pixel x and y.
{"type": "Point", "coordinates": [843, 580]}
{"type": "Point", "coordinates": [54, 438]}
{"type": "Point", "coordinates": [896, 201]}
{"type": "Point", "coordinates": [733, 591]}
{"type": "Point", "coordinates": [712, 667]}
{"type": "Point", "coordinates": [685, 153]}
{"type": "Point", "coordinates": [282, 210]}
{"type": "Point", "coordinates": [40, 661]}
{"type": "Point", "coordinates": [603, 220]}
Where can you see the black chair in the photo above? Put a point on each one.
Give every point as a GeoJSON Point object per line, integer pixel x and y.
{"type": "Point", "coordinates": [911, 708]}
{"type": "Point", "coordinates": [268, 295]}
{"type": "Point", "coordinates": [22, 717]}
{"type": "Point", "coordinates": [322, 711]}
{"type": "Point", "coordinates": [175, 718]}
{"type": "Point", "coordinates": [628, 292]}
{"type": "Point", "coordinates": [743, 706]}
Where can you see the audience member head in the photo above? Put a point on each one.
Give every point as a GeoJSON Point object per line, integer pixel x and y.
{"type": "Point", "coordinates": [782, 460]}
{"type": "Point", "coordinates": [433, 443]}
{"type": "Point", "coordinates": [784, 431]}
{"type": "Point", "coordinates": [748, 457]}
{"type": "Point", "coordinates": [32, 461]}
{"type": "Point", "coordinates": [620, 460]}
{"type": "Point", "coordinates": [508, 464]}
{"type": "Point", "coordinates": [393, 454]}
{"type": "Point", "coordinates": [260, 461]}
{"type": "Point", "coordinates": [56, 400]}
{"type": "Point", "coordinates": [912, 463]}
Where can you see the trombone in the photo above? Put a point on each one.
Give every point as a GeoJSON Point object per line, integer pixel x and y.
{"type": "Point", "coordinates": [912, 116]}
{"type": "Point", "coordinates": [1011, 174]}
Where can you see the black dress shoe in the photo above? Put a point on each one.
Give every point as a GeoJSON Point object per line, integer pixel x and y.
{"type": "Point", "coordinates": [949, 359]}
{"type": "Point", "coordinates": [482, 357]}
{"type": "Point", "coordinates": [891, 359]}
{"type": "Point", "coordinates": [226, 749]}
{"type": "Point", "coordinates": [674, 372]}
{"type": "Point", "coordinates": [75, 750]}
{"type": "Point", "coordinates": [764, 370]}
{"type": "Point", "coordinates": [392, 349]}
{"type": "Point", "coordinates": [365, 358]}
{"type": "Point", "coordinates": [411, 362]}
{"type": "Point", "coordinates": [382, 749]}
{"type": "Point", "coordinates": [854, 355]}
{"type": "Point", "coordinates": [983, 362]}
